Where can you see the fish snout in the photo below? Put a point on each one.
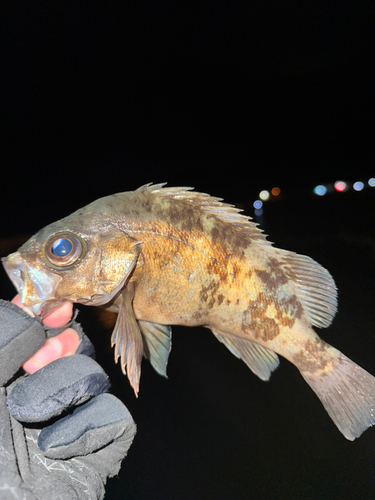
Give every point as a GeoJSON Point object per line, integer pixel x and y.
{"type": "Point", "coordinates": [36, 286]}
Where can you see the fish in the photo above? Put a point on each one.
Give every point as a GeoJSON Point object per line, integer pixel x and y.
{"type": "Point", "coordinates": [161, 256]}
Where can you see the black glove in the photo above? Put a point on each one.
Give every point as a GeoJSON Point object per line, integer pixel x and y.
{"type": "Point", "coordinates": [69, 457]}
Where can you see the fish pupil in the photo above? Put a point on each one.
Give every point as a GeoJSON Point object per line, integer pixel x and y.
{"type": "Point", "coordinates": [62, 247]}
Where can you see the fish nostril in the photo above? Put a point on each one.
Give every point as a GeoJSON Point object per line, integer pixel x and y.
{"type": "Point", "coordinates": [22, 275]}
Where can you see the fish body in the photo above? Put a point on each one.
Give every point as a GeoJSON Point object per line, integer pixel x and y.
{"type": "Point", "coordinates": [170, 256]}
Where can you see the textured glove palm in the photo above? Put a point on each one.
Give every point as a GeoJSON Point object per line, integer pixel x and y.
{"type": "Point", "coordinates": [48, 451]}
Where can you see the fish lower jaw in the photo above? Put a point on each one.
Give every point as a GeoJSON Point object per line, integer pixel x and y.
{"type": "Point", "coordinates": [41, 309]}
{"type": "Point", "coordinates": [31, 301]}
{"type": "Point", "coordinates": [36, 308]}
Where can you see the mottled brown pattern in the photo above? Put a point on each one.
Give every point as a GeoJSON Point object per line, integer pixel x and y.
{"type": "Point", "coordinates": [176, 215]}
{"type": "Point", "coordinates": [199, 315]}
{"type": "Point", "coordinates": [208, 292]}
{"type": "Point", "coordinates": [288, 310]}
{"type": "Point", "coordinates": [256, 322]}
{"type": "Point", "coordinates": [214, 268]}
{"type": "Point", "coordinates": [216, 235]}
{"type": "Point", "coordinates": [313, 357]}
{"type": "Point", "coordinates": [147, 205]}
{"type": "Point", "coordinates": [236, 241]}
{"type": "Point", "coordinates": [235, 270]}
{"type": "Point", "coordinates": [162, 258]}
{"type": "Point", "coordinates": [184, 218]}
{"type": "Point", "coordinates": [272, 278]}
{"type": "Point", "coordinates": [263, 328]}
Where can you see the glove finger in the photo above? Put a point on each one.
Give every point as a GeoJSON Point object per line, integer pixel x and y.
{"type": "Point", "coordinates": [21, 336]}
{"type": "Point", "coordinates": [85, 347]}
{"type": "Point", "coordinates": [90, 427]}
{"type": "Point", "coordinates": [63, 383]}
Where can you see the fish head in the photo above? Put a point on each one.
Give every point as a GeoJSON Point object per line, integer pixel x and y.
{"type": "Point", "coordinates": [87, 264]}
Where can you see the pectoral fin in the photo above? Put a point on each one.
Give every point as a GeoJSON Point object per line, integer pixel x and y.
{"type": "Point", "coordinates": [127, 339]}
{"type": "Point", "coordinates": [157, 345]}
{"type": "Point", "coordinates": [260, 360]}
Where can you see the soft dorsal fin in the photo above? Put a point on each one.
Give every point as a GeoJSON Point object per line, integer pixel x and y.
{"type": "Point", "coordinates": [210, 205]}
{"type": "Point", "coordinates": [260, 360]}
{"type": "Point", "coordinates": [315, 288]}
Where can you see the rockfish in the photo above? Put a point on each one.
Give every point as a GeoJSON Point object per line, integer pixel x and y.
{"type": "Point", "coordinates": [162, 256]}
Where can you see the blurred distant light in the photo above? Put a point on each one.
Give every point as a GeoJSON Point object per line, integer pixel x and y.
{"type": "Point", "coordinates": [371, 182]}
{"type": "Point", "coordinates": [258, 204]}
{"type": "Point", "coordinates": [264, 195]}
{"type": "Point", "coordinates": [340, 186]}
{"type": "Point", "coordinates": [258, 211]}
{"type": "Point", "coordinates": [358, 186]}
{"type": "Point", "coordinates": [275, 191]}
{"type": "Point", "coordinates": [320, 190]}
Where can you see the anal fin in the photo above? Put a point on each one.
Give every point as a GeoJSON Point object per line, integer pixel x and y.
{"type": "Point", "coordinates": [127, 339]}
{"type": "Point", "coordinates": [157, 344]}
{"type": "Point", "coordinates": [259, 359]}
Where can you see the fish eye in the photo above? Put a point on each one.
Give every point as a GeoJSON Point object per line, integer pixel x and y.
{"type": "Point", "coordinates": [63, 250]}
{"type": "Point", "coordinates": [61, 247]}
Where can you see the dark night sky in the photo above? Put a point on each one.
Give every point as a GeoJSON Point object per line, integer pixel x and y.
{"type": "Point", "coordinates": [230, 97]}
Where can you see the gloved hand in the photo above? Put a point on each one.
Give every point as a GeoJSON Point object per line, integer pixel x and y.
{"type": "Point", "coordinates": [48, 451]}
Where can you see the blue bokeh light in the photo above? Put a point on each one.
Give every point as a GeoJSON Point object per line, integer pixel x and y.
{"type": "Point", "coordinates": [320, 190]}
{"type": "Point", "coordinates": [358, 186]}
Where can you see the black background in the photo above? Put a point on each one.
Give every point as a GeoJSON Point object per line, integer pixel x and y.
{"type": "Point", "coordinates": [231, 98]}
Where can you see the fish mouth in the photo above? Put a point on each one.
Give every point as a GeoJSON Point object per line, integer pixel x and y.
{"type": "Point", "coordinates": [36, 286]}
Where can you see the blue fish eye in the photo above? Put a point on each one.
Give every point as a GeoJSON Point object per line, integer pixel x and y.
{"type": "Point", "coordinates": [62, 247]}
{"type": "Point", "coordinates": [63, 250]}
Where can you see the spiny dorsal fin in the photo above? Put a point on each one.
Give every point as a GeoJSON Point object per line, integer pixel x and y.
{"type": "Point", "coordinates": [316, 288]}
{"type": "Point", "coordinates": [210, 205]}
{"type": "Point", "coordinates": [260, 360]}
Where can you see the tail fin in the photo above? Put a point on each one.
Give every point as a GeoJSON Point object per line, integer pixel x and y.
{"type": "Point", "coordinates": [348, 394]}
